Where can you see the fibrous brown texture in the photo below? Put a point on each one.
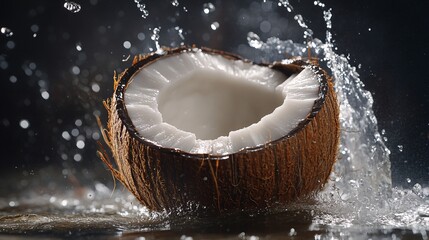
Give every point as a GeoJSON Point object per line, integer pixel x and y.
{"type": "Point", "coordinates": [277, 173]}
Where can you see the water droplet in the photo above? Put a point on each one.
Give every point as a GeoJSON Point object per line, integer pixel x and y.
{"type": "Point", "coordinates": [12, 204]}
{"type": "Point", "coordinates": [254, 40]}
{"type": "Point", "coordinates": [141, 36]}
{"type": "Point", "coordinates": [13, 79]}
{"type": "Point", "coordinates": [10, 44]}
{"type": "Point", "coordinates": [95, 87]}
{"type": "Point", "coordinates": [42, 83]}
{"type": "Point", "coordinates": [124, 59]}
{"type": "Point", "coordinates": [80, 144]}
{"type": "Point", "coordinates": [418, 190]}
{"type": "Point", "coordinates": [127, 44]}
{"type": "Point", "coordinates": [180, 32]}
{"type": "Point", "coordinates": [184, 237]}
{"type": "Point", "coordinates": [400, 148]}
{"type": "Point", "coordinates": [34, 28]}
{"type": "Point", "coordinates": [208, 8]}
{"type": "Point", "coordinates": [175, 3]}
{"type": "Point", "coordinates": [75, 132]}
{"type": "Point", "coordinates": [95, 136]}
{"type": "Point", "coordinates": [78, 122]}
{"type": "Point", "coordinates": [66, 135]}
{"type": "Point", "coordinates": [265, 26]}
{"type": "Point", "coordinates": [90, 195]}
{"type": "Point", "coordinates": [45, 94]}
{"type": "Point", "coordinates": [214, 25]}
{"type": "Point", "coordinates": [369, 29]}
{"type": "Point", "coordinates": [24, 123]}
{"type": "Point", "coordinates": [408, 180]}
{"type": "Point", "coordinates": [79, 46]}
{"type": "Point", "coordinates": [32, 66]}
{"type": "Point", "coordinates": [6, 31]}
{"type": "Point", "coordinates": [77, 157]}
{"type": "Point", "coordinates": [64, 203]}
{"type": "Point", "coordinates": [319, 3]}
{"type": "Point", "coordinates": [75, 70]}
{"type": "Point", "coordinates": [72, 6]}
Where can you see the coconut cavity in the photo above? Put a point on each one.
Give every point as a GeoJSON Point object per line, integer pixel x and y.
{"type": "Point", "coordinates": [200, 102]}
{"type": "Point", "coordinates": [211, 103]}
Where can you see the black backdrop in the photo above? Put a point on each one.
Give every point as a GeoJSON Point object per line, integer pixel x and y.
{"type": "Point", "coordinates": [389, 39]}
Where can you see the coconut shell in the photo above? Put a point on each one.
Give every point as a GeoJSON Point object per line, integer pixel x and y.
{"type": "Point", "coordinates": [278, 173]}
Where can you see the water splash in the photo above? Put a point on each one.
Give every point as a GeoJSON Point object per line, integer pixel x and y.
{"type": "Point", "coordinates": [180, 33]}
{"type": "Point", "coordinates": [286, 4]}
{"type": "Point", "coordinates": [360, 190]}
{"type": "Point", "coordinates": [254, 40]}
{"type": "Point", "coordinates": [308, 33]}
{"type": "Point", "coordinates": [155, 38]}
{"type": "Point", "coordinates": [72, 6]}
{"type": "Point", "coordinates": [142, 8]}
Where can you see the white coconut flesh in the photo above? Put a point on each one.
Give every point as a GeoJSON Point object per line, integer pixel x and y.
{"type": "Point", "coordinates": [203, 103]}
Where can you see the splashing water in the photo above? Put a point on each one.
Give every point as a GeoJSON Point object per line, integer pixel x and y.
{"type": "Point", "coordinates": [254, 40]}
{"type": "Point", "coordinates": [180, 33]}
{"type": "Point", "coordinates": [360, 189]}
{"type": "Point", "coordinates": [142, 8]}
{"type": "Point", "coordinates": [155, 39]}
{"type": "Point", "coordinates": [286, 4]}
{"type": "Point", "coordinates": [72, 6]}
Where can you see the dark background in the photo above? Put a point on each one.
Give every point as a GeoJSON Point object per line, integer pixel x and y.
{"type": "Point", "coordinates": [389, 39]}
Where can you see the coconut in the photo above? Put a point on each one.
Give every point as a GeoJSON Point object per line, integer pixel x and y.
{"type": "Point", "coordinates": [206, 127]}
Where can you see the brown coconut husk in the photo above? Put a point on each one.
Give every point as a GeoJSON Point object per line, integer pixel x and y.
{"type": "Point", "coordinates": [278, 173]}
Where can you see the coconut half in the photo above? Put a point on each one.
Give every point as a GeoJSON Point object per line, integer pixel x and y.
{"type": "Point", "coordinates": [207, 127]}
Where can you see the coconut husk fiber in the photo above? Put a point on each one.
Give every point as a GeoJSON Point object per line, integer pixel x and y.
{"type": "Point", "coordinates": [278, 173]}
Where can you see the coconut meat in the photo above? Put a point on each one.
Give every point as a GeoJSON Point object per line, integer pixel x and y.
{"type": "Point", "coordinates": [204, 103]}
